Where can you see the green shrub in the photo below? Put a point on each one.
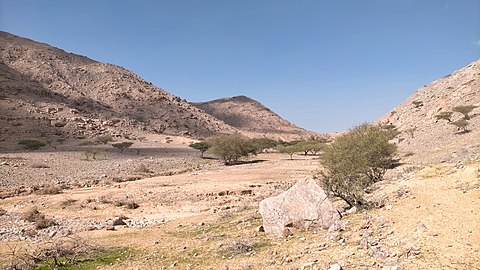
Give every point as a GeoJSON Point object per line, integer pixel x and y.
{"type": "Point", "coordinates": [31, 145]}
{"type": "Point", "coordinates": [356, 160]}
{"type": "Point", "coordinates": [229, 148]}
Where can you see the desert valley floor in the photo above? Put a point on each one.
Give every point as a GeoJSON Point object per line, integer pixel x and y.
{"type": "Point", "coordinates": [193, 213]}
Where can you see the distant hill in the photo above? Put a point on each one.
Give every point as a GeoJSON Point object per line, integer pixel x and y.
{"type": "Point", "coordinates": [45, 91]}
{"type": "Point", "coordinates": [428, 139]}
{"type": "Point", "coordinates": [252, 117]}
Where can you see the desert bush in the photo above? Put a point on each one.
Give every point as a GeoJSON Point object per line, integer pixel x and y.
{"type": "Point", "coordinates": [465, 110]}
{"type": "Point", "coordinates": [142, 168]}
{"type": "Point", "coordinates": [40, 220]}
{"type": "Point", "coordinates": [31, 145]}
{"type": "Point", "coordinates": [132, 205]}
{"type": "Point", "coordinates": [462, 125]}
{"type": "Point", "coordinates": [356, 160]}
{"type": "Point", "coordinates": [444, 116]}
{"type": "Point", "coordinates": [229, 148]}
{"type": "Point", "coordinates": [86, 143]}
{"type": "Point", "coordinates": [90, 152]}
{"type": "Point", "coordinates": [417, 103]}
{"type": "Point", "coordinates": [104, 139]}
{"type": "Point", "coordinates": [48, 190]}
{"type": "Point", "coordinates": [39, 166]}
{"type": "Point", "coordinates": [122, 146]}
{"type": "Point", "coordinates": [201, 146]}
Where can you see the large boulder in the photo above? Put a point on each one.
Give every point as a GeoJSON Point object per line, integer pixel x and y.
{"type": "Point", "coordinates": [304, 206]}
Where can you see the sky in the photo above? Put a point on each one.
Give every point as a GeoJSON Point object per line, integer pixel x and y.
{"type": "Point", "coordinates": [323, 65]}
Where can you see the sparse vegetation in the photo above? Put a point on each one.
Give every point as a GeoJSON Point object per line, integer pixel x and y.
{"type": "Point", "coordinates": [259, 145]}
{"type": "Point", "coordinates": [39, 166]}
{"type": "Point", "coordinates": [90, 152]}
{"type": "Point", "coordinates": [465, 110]}
{"type": "Point", "coordinates": [200, 146]}
{"type": "Point", "coordinates": [104, 139]}
{"type": "Point", "coordinates": [417, 103]}
{"type": "Point", "coordinates": [68, 252]}
{"type": "Point", "coordinates": [462, 125]}
{"type": "Point", "coordinates": [31, 145]}
{"type": "Point", "coordinates": [444, 116]}
{"type": "Point", "coordinates": [122, 146]}
{"type": "Point", "coordinates": [289, 149]}
{"type": "Point", "coordinates": [356, 160]}
{"type": "Point", "coordinates": [229, 148]}
{"type": "Point", "coordinates": [48, 190]}
{"type": "Point", "coordinates": [40, 220]}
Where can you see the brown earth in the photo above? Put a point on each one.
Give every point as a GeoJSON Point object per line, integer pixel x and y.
{"type": "Point", "coordinates": [207, 217]}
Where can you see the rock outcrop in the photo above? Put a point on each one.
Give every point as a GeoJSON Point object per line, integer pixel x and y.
{"type": "Point", "coordinates": [304, 206]}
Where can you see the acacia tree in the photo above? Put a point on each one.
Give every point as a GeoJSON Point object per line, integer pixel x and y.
{"type": "Point", "coordinates": [201, 146]}
{"type": "Point", "coordinates": [289, 149]}
{"type": "Point", "coordinates": [230, 148]}
{"type": "Point", "coordinates": [356, 160]}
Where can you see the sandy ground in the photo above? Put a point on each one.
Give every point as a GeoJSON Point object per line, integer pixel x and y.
{"type": "Point", "coordinates": [207, 218]}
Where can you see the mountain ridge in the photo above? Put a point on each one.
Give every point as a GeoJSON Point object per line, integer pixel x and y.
{"type": "Point", "coordinates": [61, 92]}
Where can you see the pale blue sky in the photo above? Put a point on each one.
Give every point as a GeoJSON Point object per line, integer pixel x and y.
{"type": "Point", "coordinates": [323, 65]}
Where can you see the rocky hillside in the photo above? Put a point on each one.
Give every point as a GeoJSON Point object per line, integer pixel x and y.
{"type": "Point", "coordinates": [253, 118]}
{"type": "Point", "coordinates": [45, 90]}
{"type": "Point", "coordinates": [428, 139]}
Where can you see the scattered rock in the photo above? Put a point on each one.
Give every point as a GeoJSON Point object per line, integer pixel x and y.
{"type": "Point", "coordinates": [117, 221]}
{"type": "Point", "coordinates": [303, 206]}
{"type": "Point", "coordinates": [335, 266]}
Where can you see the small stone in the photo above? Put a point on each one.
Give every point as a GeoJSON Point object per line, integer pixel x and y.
{"type": "Point", "coordinates": [225, 267]}
{"type": "Point", "coordinates": [352, 210]}
{"type": "Point", "coordinates": [260, 229]}
{"type": "Point", "coordinates": [110, 228]}
{"type": "Point", "coordinates": [335, 266]}
{"type": "Point", "coordinates": [117, 221]}
{"type": "Point", "coordinates": [388, 207]}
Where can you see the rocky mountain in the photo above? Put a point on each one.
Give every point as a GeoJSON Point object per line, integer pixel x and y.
{"type": "Point", "coordinates": [251, 117]}
{"type": "Point", "coordinates": [45, 90]}
{"type": "Point", "coordinates": [426, 138]}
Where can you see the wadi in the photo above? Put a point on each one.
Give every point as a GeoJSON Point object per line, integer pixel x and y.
{"type": "Point", "coordinates": [101, 169]}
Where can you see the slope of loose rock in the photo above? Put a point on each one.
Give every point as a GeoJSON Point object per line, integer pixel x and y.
{"type": "Point", "coordinates": [427, 139]}
{"type": "Point", "coordinates": [252, 117]}
{"type": "Point", "coordinates": [45, 86]}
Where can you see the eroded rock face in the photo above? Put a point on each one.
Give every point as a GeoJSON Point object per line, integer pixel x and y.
{"type": "Point", "coordinates": [304, 206]}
